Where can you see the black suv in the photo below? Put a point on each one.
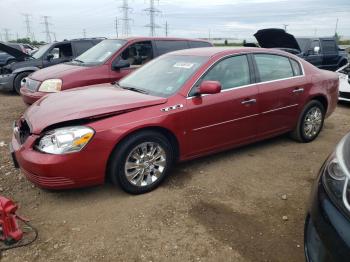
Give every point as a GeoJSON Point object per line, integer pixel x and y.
{"type": "Point", "coordinates": [322, 52]}
{"type": "Point", "coordinates": [48, 55]}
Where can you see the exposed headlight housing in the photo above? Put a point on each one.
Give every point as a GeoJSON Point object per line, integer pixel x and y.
{"type": "Point", "coordinates": [336, 174]}
{"type": "Point", "coordinates": [51, 86]}
{"type": "Point", "coordinates": [65, 140]}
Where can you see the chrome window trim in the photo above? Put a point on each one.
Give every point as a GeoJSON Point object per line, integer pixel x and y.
{"type": "Point", "coordinates": [253, 84]}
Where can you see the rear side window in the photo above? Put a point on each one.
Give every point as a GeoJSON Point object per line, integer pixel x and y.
{"type": "Point", "coordinates": [273, 67]}
{"type": "Point", "coordinates": [296, 67]}
{"type": "Point", "coordinates": [230, 72]}
{"type": "Point", "coordinates": [195, 44]}
{"type": "Point", "coordinates": [329, 46]}
{"type": "Point", "coordinates": [81, 47]}
{"type": "Point", "coordinates": [165, 46]}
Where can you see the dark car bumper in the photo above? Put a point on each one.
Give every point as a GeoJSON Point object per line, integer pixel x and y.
{"type": "Point", "coordinates": [327, 229]}
{"type": "Point", "coordinates": [30, 97]}
{"type": "Point", "coordinates": [6, 82]}
{"type": "Point", "coordinates": [344, 96]}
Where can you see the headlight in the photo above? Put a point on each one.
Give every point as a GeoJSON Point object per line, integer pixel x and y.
{"type": "Point", "coordinates": [336, 174]}
{"type": "Point", "coordinates": [51, 86]}
{"type": "Point", "coordinates": [65, 140]}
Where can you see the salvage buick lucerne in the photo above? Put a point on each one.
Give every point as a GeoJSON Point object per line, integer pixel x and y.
{"type": "Point", "coordinates": [327, 226]}
{"type": "Point", "coordinates": [180, 106]}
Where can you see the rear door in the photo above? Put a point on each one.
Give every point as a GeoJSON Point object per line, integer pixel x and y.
{"type": "Point", "coordinates": [330, 54]}
{"type": "Point", "coordinates": [227, 118]}
{"type": "Point", "coordinates": [280, 91]}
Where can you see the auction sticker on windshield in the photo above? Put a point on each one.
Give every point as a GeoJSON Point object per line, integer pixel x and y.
{"type": "Point", "coordinates": [184, 65]}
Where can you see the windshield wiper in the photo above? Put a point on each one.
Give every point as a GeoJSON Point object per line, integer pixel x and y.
{"type": "Point", "coordinates": [133, 89]}
{"type": "Point", "coordinates": [79, 61]}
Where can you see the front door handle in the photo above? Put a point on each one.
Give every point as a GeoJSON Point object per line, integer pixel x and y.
{"type": "Point", "coordinates": [248, 101]}
{"type": "Point", "coordinates": [298, 90]}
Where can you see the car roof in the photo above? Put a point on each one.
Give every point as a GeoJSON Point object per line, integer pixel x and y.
{"type": "Point", "coordinates": [213, 51]}
{"type": "Point", "coordinates": [149, 38]}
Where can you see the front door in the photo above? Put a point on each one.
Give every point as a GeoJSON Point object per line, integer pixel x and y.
{"type": "Point", "coordinates": [227, 118]}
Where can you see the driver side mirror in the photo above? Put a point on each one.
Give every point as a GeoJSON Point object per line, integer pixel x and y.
{"type": "Point", "coordinates": [316, 50]}
{"type": "Point", "coordinates": [49, 57]}
{"type": "Point", "coordinates": [119, 64]}
{"type": "Point", "coordinates": [209, 87]}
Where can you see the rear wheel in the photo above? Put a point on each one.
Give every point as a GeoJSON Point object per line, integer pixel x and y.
{"type": "Point", "coordinates": [310, 122]}
{"type": "Point", "coordinates": [17, 84]}
{"type": "Point", "coordinates": [141, 162]}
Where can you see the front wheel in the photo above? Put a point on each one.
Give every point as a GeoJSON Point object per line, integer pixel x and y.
{"type": "Point", "coordinates": [310, 122]}
{"type": "Point", "coordinates": [141, 162]}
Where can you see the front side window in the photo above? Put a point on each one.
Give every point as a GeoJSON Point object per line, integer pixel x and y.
{"type": "Point", "coordinates": [230, 72]}
{"type": "Point", "coordinates": [273, 67]}
{"type": "Point", "coordinates": [163, 76]}
{"type": "Point", "coordinates": [329, 46]}
{"type": "Point", "coordinates": [138, 54]}
{"type": "Point", "coordinates": [63, 51]}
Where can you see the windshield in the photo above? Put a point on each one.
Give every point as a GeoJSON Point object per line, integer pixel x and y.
{"type": "Point", "coordinates": [41, 51]}
{"type": "Point", "coordinates": [100, 53]}
{"type": "Point", "coordinates": [164, 75]}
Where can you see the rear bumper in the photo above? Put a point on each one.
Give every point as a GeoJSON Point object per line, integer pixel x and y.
{"type": "Point", "coordinates": [30, 97]}
{"type": "Point", "coordinates": [6, 82]}
{"type": "Point", "coordinates": [327, 230]}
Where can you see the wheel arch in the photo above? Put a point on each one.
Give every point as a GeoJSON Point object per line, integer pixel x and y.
{"type": "Point", "coordinates": [162, 130]}
{"type": "Point", "coordinates": [322, 99]}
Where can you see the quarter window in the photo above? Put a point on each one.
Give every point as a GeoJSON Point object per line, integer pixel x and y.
{"type": "Point", "coordinates": [296, 67]}
{"type": "Point", "coordinates": [231, 72]}
{"type": "Point", "coordinates": [165, 46]}
{"type": "Point", "coordinates": [273, 67]}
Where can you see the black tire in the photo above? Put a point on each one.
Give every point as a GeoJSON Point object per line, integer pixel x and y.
{"type": "Point", "coordinates": [118, 158]}
{"type": "Point", "coordinates": [18, 80]}
{"type": "Point", "coordinates": [299, 133]}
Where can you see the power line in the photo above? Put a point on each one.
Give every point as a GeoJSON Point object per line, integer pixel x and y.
{"type": "Point", "coordinates": [126, 30]}
{"type": "Point", "coordinates": [152, 12]}
{"type": "Point", "coordinates": [47, 29]}
{"type": "Point", "coordinates": [30, 34]}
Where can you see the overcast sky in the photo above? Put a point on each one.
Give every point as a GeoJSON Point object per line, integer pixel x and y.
{"type": "Point", "coordinates": [186, 18]}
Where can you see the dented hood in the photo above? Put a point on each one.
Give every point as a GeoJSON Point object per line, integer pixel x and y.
{"type": "Point", "coordinates": [85, 103]}
{"type": "Point", "coordinates": [276, 38]}
{"type": "Point", "coordinates": [12, 51]}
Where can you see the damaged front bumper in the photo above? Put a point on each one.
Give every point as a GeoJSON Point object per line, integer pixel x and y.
{"type": "Point", "coordinates": [6, 81]}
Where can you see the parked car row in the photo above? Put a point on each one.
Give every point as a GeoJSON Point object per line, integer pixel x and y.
{"type": "Point", "coordinates": [131, 126]}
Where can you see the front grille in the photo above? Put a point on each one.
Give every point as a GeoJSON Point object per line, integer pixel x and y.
{"type": "Point", "coordinates": [21, 130]}
{"type": "Point", "coordinates": [344, 95]}
{"type": "Point", "coordinates": [32, 85]}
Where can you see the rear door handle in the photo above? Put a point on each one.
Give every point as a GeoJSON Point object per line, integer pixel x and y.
{"type": "Point", "coordinates": [248, 101]}
{"type": "Point", "coordinates": [298, 90]}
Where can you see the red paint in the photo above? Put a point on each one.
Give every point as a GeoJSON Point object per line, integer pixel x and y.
{"type": "Point", "coordinates": [74, 76]}
{"type": "Point", "coordinates": [204, 125]}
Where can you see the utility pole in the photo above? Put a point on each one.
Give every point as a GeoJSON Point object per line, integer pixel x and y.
{"type": "Point", "coordinates": [209, 36]}
{"type": "Point", "coordinates": [336, 27]}
{"type": "Point", "coordinates": [30, 34]}
{"type": "Point", "coordinates": [152, 12]}
{"type": "Point", "coordinates": [116, 26]}
{"type": "Point", "coordinates": [7, 34]}
{"type": "Point", "coordinates": [54, 36]}
{"type": "Point", "coordinates": [47, 30]}
{"type": "Point", "coordinates": [126, 20]}
{"type": "Point", "coordinates": [285, 27]}
{"type": "Point", "coordinates": [166, 29]}
{"type": "Point", "coordinates": [84, 33]}
{"type": "Point", "coordinates": [17, 37]}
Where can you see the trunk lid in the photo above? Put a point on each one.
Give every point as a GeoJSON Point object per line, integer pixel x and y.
{"type": "Point", "coordinates": [276, 38]}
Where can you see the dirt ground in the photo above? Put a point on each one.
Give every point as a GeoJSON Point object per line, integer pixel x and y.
{"type": "Point", "coordinates": [226, 207]}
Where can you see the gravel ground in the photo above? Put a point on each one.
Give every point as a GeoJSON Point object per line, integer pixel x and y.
{"type": "Point", "coordinates": [226, 207]}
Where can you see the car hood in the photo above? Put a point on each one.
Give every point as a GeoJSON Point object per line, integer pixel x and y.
{"type": "Point", "coordinates": [276, 38]}
{"type": "Point", "coordinates": [85, 103]}
{"type": "Point", "coordinates": [56, 71]}
{"type": "Point", "coordinates": [13, 51]}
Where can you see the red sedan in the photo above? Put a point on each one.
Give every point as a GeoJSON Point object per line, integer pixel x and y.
{"type": "Point", "coordinates": [180, 106]}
